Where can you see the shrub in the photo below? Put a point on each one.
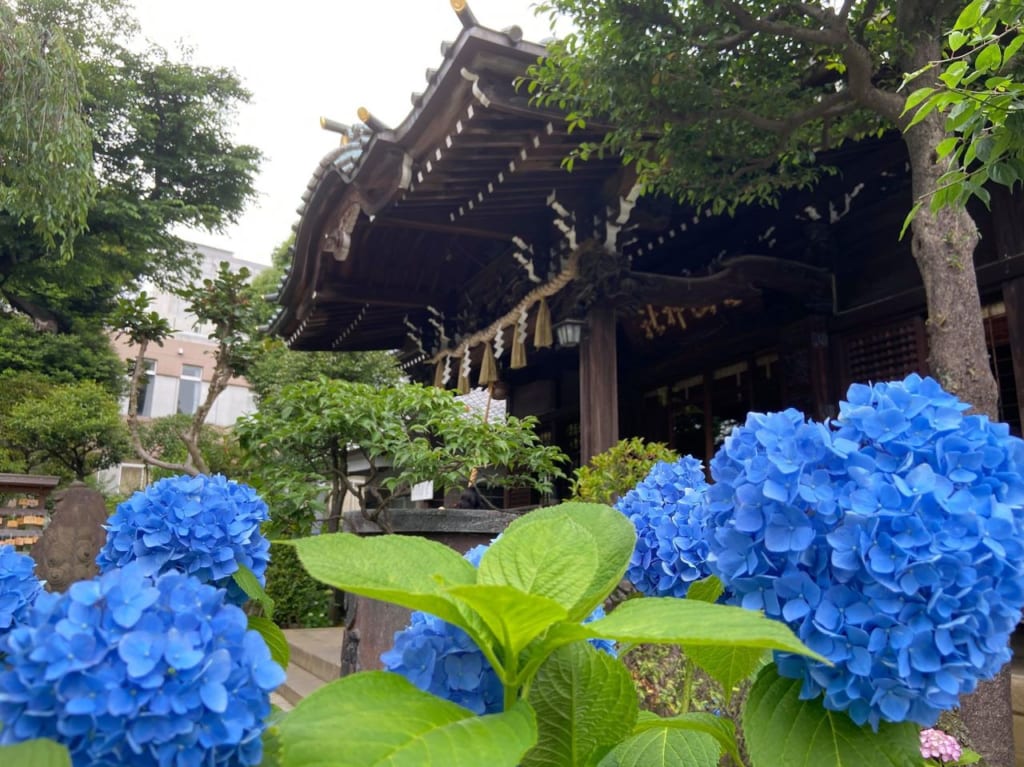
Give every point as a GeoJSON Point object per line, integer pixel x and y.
{"type": "Point", "coordinates": [612, 473]}
{"type": "Point", "coordinates": [299, 601]}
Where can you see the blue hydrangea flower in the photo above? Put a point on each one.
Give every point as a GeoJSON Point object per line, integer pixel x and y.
{"type": "Point", "coordinates": [891, 542]}
{"type": "Point", "coordinates": [132, 671]}
{"type": "Point", "coordinates": [19, 586]}
{"type": "Point", "coordinates": [441, 659]}
{"type": "Point", "coordinates": [202, 526]}
{"type": "Point", "coordinates": [667, 509]}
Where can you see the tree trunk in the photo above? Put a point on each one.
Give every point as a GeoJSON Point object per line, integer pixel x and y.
{"type": "Point", "coordinates": [943, 245]}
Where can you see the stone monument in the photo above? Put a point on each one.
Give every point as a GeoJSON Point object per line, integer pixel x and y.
{"type": "Point", "coordinates": [66, 551]}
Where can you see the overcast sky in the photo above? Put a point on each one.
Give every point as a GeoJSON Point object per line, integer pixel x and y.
{"type": "Point", "coordinates": [306, 58]}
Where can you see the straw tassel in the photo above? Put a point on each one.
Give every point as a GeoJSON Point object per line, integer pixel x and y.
{"type": "Point", "coordinates": [519, 343]}
{"type": "Point", "coordinates": [464, 370]}
{"type": "Point", "coordinates": [542, 338]}
{"type": "Point", "coordinates": [488, 367]}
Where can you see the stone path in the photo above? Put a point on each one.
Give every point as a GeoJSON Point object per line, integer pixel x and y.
{"type": "Point", "coordinates": [315, 661]}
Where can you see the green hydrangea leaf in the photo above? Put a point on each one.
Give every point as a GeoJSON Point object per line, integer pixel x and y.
{"type": "Point", "coordinates": [248, 582]}
{"type": "Point", "coordinates": [573, 553]}
{"type": "Point", "coordinates": [377, 719]}
{"type": "Point", "coordinates": [585, 703]}
{"type": "Point", "coordinates": [665, 747]}
{"type": "Point", "coordinates": [36, 753]}
{"type": "Point", "coordinates": [718, 727]}
{"type": "Point", "coordinates": [779, 728]}
{"type": "Point", "coordinates": [401, 569]}
{"type": "Point", "coordinates": [694, 624]}
{"type": "Point", "coordinates": [706, 590]}
{"type": "Point", "coordinates": [727, 665]}
{"type": "Point", "coordinates": [274, 638]}
{"type": "Point", "coordinates": [513, 617]}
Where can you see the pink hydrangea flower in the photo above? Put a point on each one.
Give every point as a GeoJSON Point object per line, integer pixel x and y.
{"type": "Point", "coordinates": [935, 744]}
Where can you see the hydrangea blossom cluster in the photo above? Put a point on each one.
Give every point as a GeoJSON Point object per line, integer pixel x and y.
{"type": "Point", "coordinates": [19, 587]}
{"type": "Point", "coordinates": [132, 671]}
{"type": "Point", "coordinates": [891, 543]}
{"type": "Point", "coordinates": [935, 744]}
{"type": "Point", "coordinates": [441, 659]}
{"type": "Point", "coordinates": [203, 526]}
{"type": "Point", "coordinates": [668, 511]}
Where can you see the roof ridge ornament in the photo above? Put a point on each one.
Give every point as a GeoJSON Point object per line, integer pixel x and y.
{"type": "Point", "coordinates": [466, 16]}
{"type": "Point", "coordinates": [373, 123]}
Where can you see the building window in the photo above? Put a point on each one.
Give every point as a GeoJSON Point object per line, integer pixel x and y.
{"type": "Point", "coordinates": [144, 406]}
{"type": "Point", "coordinates": [189, 388]}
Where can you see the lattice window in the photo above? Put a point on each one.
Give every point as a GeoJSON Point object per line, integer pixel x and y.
{"type": "Point", "coordinates": [885, 353]}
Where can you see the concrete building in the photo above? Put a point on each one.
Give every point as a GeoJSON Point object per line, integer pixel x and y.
{"type": "Point", "coordinates": [178, 373]}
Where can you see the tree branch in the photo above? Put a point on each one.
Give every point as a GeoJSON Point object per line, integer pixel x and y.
{"type": "Point", "coordinates": [831, 36]}
{"type": "Point", "coordinates": [860, 71]}
{"type": "Point", "coordinates": [862, 23]}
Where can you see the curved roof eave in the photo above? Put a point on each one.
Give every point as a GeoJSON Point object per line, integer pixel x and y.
{"type": "Point", "coordinates": [379, 153]}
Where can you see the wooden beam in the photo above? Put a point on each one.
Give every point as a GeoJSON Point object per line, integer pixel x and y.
{"type": "Point", "coordinates": [365, 294]}
{"type": "Point", "coordinates": [742, 277]}
{"type": "Point", "coordinates": [599, 389]}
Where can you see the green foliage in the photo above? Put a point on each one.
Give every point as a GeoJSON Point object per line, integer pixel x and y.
{"type": "Point", "coordinates": [70, 429]}
{"type": "Point", "coordinates": [719, 103]}
{"type": "Point", "coordinates": [376, 718]}
{"type": "Point", "coordinates": [977, 87]}
{"type": "Point", "coordinates": [36, 753]}
{"type": "Point", "coordinates": [665, 746]}
{"type": "Point", "coordinates": [619, 469]}
{"type": "Point", "coordinates": [273, 636]}
{"type": "Point", "coordinates": [302, 436]}
{"type": "Point", "coordinates": [42, 128]}
{"type": "Point", "coordinates": [160, 132]}
{"type": "Point", "coordinates": [802, 733]}
{"type": "Point", "coordinates": [582, 701]}
{"type": "Point", "coordinates": [299, 601]}
{"type": "Point", "coordinates": [80, 353]}
{"type": "Point", "coordinates": [570, 734]}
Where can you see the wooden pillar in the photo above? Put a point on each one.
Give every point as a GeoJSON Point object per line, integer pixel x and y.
{"type": "Point", "coordinates": [1013, 298]}
{"type": "Point", "coordinates": [599, 386]}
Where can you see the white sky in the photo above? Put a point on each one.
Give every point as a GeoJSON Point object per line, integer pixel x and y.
{"type": "Point", "coordinates": [307, 58]}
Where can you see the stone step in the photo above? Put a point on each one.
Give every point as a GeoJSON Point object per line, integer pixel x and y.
{"type": "Point", "coordinates": [317, 651]}
{"type": "Point", "coordinates": [298, 684]}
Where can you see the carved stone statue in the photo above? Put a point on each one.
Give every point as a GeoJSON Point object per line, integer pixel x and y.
{"type": "Point", "coordinates": [66, 551]}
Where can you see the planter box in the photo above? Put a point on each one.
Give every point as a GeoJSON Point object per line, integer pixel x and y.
{"type": "Point", "coordinates": [371, 624]}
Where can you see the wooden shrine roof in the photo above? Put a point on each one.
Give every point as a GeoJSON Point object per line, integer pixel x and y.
{"type": "Point", "coordinates": [419, 237]}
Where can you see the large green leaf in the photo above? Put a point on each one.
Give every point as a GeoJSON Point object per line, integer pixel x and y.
{"type": "Point", "coordinates": [779, 728]}
{"type": "Point", "coordinates": [274, 638]}
{"type": "Point", "coordinates": [573, 553]}
{"type": "Point", "coordinates": [664, 620]}
{"type": "Point", "coordinates": [247, 581]}
{"type": "Point", "coordinates": [35, 753]}
{"type": "Point", "coordinates": [727, 665]}
{"type": "Point", "coordinates": [375, 719]}
{"type": "Point", "coordinates": [585, 703]}
{"type": "Point", "coordinates": [666, 747]}
{"type": "Point", "coordinates": [718, 727]}
{"type": "Point", "coordinates": [402, 569]}
{"type": "Point", "coordinates": [513, 617]}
